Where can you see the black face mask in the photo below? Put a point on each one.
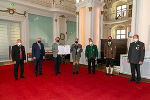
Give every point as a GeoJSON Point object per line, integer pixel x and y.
{"type": "Point", "coordinates": [109, 40]}
{"type": "Point", "coordinates": [39, 41]}
{"type": "Point", "coordinates": [76, 41]}
{"type": "Point", "coordinates": [57, 40]}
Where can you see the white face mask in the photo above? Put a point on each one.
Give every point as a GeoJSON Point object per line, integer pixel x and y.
{"type": "Point", "coordinates": [19, 44]}
{"type": "Point", "coordinates": [91, 43]}
{"type": "Point", "coordinates": [135, 40]}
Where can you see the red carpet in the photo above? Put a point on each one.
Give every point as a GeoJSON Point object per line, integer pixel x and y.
{"type": "Point", "coordinates": [68, 87]}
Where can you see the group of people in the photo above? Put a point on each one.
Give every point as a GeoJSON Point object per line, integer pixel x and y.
{"type": "Point", "coordinates": [135, 56]}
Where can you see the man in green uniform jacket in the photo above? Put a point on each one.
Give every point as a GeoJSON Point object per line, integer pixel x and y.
{"type": "Point", "coordinates": [91, 54]}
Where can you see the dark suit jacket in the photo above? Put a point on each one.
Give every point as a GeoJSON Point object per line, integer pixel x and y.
{"type": "Point", "coordinates": [110, 51]}
{"type": "Point", "coordinates": [74, 50]}
{"type": "Point", "coordinates": [36, 51]}
{"type": "Point", "coordinates": [16, 53]}
{"type": "Point", "coordinates": [94, 51]}
{"type": "Point", "coordinates": [136, 52]}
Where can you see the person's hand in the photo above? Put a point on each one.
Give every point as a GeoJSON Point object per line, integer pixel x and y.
{"type": "Point", "coordinates": [140, 62]}
{"type": "Point", "coordinates": [86, 59]}
{"type": "Point", "coordinates": [43, 57]}
{"type": "Point", "coordinates": [113, 58]}
{"type": "Point", "coordinates": [24, 61]}
{"type": "Point", "coordinates": [95, 58]}
{"type": "Point", "coordinates": [34, 58]}
{"type": "Point", "coordinates": [14, 62]}
{"type": "Point", "coordinates": [78, 50]}
{"type": "Point", "coordinates": [104, 57]}
{"type": "Point", "coordinates": [57, 50]}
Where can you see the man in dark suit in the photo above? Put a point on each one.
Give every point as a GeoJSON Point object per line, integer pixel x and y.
{"type": "Point", "coordinates": [136, 57]}
{"type": "Point", "coordinates": [38, 54]}
{"type": "Point", "coordinates": [18, 57]}
{"type": "Point", "coordinates": [109, 55]}
{"type": "Point", "coordinates": [91, 54]}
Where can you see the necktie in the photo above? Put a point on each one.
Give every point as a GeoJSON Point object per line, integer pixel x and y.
{"type": "Point", "coordinates": [39, 46]}
{"type": "Point", "coordinates": [21, 54]}
{"type": "Point", "coordinates": [91, 52]}
{"type": "Point", "coordinates": [76, 49]}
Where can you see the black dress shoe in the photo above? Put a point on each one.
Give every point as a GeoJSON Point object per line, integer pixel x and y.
{"type": "Point", "coordinates": [56, 74]}
{"type": "Point", "coordinates": [35, 75]}
{"type": "Point", "coordinates": [138, 82]}
{"type": "Point", "coordinates": [106, 74]}
{"type": "Point", "coordinates": [73, 73]}
{"type": "Point", "coordinates": [93, 72]}
{"type": "Point", "coordinates": [59, 73]}
{"type": "Point", "coordinates": [89, 72]}
{"type": "Point", "coordinates": [16, 78]}
{"type": "Point", "coordinates": [131, 80]}
{"type": "Point", "coordinates": [77, 72]}
{"type": "Point", "coordinates": [41, 74]}
{"type": "Point", "coordinates": [111, 75]}
{"type": "Point", "coordinates": [22, 77]}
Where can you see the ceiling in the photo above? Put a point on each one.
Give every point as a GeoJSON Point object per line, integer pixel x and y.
{"type": "Point", "coordinates": [68, 5]}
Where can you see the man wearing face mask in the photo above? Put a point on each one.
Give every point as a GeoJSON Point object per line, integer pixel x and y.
{"type": "Point", "coordinates": [19, 58]}
{"type": "Point", "coordinates": [76, 50]}
{"type": "Point", "coordinates": [57, 58]}
{"type": "Point", "coordinates": [136, 57]}
{"type": "Point", "coordinates": [91, 54]}
{"type": "Point", "coordinates": [38, 54]}
{"type": "Point", "coordinates": [109, 55]}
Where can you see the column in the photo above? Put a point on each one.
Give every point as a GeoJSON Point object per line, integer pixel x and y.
{"type": "Point", "coordinates": [77, 24]}
{"type": "Point", "coordinates": [55, 27]}
{"type": "Point", "coordinates": [133, 23]}
{"type": "Point", "coordinates": [100, 30]}
{"type": "Point", "coordinates": [90, 22]}
{"type": "Point", "coordinates": [101, 23]}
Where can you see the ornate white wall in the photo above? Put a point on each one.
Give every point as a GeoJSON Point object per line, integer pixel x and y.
{"type": "Point", "coordinates": [93, 23]}
{"type": "Point", "coordinates": [59, 24]}
{"type": "Point", "coordinates": [141, 21]}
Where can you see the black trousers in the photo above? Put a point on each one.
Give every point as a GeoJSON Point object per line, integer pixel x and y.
{"type": "Point", "coordinates": [57, 62]}
{"type": "Point", "coordinates": [36, 63]}
{"type": "Point", "coordinates": [16, 66]}
{"type": "Point", "coordinates": [135, 67]}
{"type": "Point", "coordinates": [109, 62]}
{"type": "Point", "coordinates": [89, 65]}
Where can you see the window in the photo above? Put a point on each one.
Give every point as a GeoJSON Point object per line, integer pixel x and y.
{"type": "Point", "coordinates": [9, 33]}
{"type": "Point", "coordinates": [121, 34]}
{"type": "Point", "coordinates": [121, 11]}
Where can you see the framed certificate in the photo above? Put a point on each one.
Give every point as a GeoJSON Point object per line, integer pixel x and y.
{"type": "Point", "coordinates": [64, 49]}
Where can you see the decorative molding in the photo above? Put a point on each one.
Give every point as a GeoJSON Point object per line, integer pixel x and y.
{"type": "Point", "coordinates": [62, 36]}
{"type": "Point", "coordinates": [13, 11]}
{"type": "Point", "coordinates": [77, 13]}
{"type": "Point", "coordinates": [55, 20]}
{"type": "Point", "coordinates": [90, 9]}
{"type": "Point", "coordinates": [37, 5]}
{"type": "Point", "coordinates": [102, 12]}
{"type": "Point", "coordinates": [62, 16]}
